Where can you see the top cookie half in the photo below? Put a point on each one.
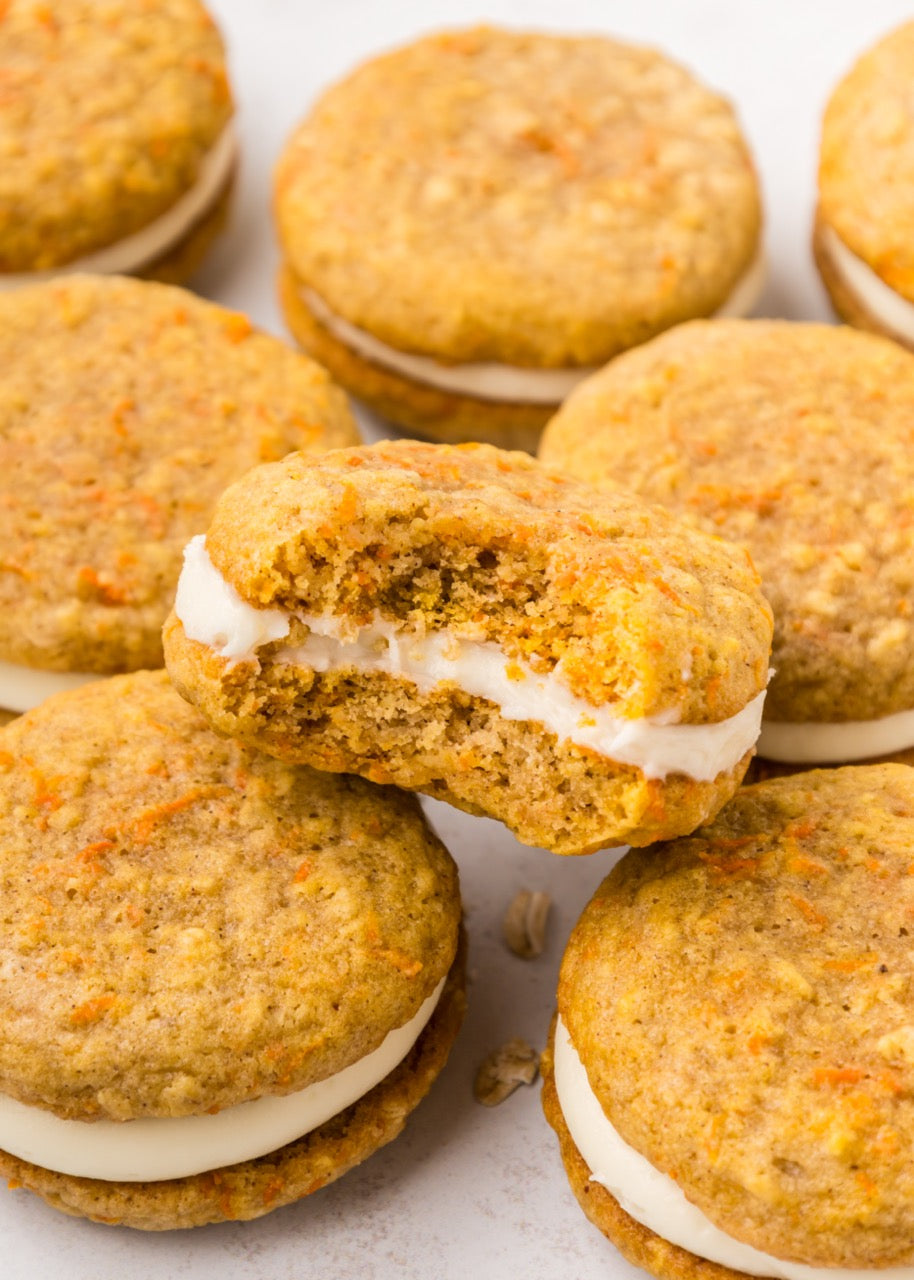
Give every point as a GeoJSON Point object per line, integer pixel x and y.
{"type": "Point", "coordinates": [863, 240]}
{"type": "Point", "coordinates": [740, 1006]}
{"type": "Point", "coordinates": [115, 135]}
{"type": "Point", "coordinates": [126, 407]}
{"type": "Point", "coordinates": [794, 440]}
{"type": "Point", "coordinates": [463, 622]}
{"type": "Point", "coordinates": [537, 202]}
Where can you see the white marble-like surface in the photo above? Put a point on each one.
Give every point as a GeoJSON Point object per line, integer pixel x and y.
{"type": "Point", "coordinates": [467, 1191]}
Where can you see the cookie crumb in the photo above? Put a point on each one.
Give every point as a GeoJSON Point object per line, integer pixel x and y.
{"type": "Point", "coordinates": [504, 1070]}
{"type": "Point", "coordinates": [524, 925]}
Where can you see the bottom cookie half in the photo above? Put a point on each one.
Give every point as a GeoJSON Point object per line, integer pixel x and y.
{"type": "Point", "coordinates": [638, 1244]}
{"type": "Point", "coordinates": [440, 416]}
{"type": "Point", "coordinates": [255, 1187]}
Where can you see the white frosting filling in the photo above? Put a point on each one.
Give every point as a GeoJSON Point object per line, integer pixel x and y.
{"type": "Point", "coordinates": [886, 306]}
{"type": "Point", "coordinates": [212, 611]}
{"type": "Point", "coordinates": [655, 1200]}
{"type": "Point", "coordinates": [490, 381]}
{"type": "Point", "coordinates": [157, 237]}
{"type": "Point", "coordinates": [214, 614]}
{"type": "Point", "coordinates": [151, 1150]}
{"type": "Point", "coordinates": [812, 742]}
{"type": "Point", "coordinates": [22, 688]}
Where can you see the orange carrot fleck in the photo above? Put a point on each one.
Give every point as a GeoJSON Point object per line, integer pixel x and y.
{"type": "Point", "coordinates": [800, 830]}
{"type": "Point", "coordinates": [44, 14]}
{"type": "Point", "coordinates": [349, 506]}
{"type": "Point", "coordinates": [890, 1082]}
{"type": "Point", "coordinates": [804, 866]}
{"type": "Point", "coordinates": [729, 866]}
{"type": "Point", "coordinates": [148, 821]}
{"type": "Point", "coordinates": [91, 1011]}
{"type": "Point", "coordinates": [837, 1075]}
{"type": "Point", "coordinates": [810, 913]}
{"type": "Point", "coordinates": [90, 852]}
{"type": "Point", "coordinates": [272, 1190]}
{"type": "Point", "coordinates": [400, 961]}
{"type": "Point", "coordinates": [89, 585]}
{"type": "Point", "coordinates": [10, 566]}
{"type": "Point", "coordinates": [237, 327]}
{"type": "Point", "coordinates": [302, 873]}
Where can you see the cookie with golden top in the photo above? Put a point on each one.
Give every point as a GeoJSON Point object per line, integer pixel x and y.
{"type": "Point", "coordinates": [224, 980]}
{"type": "Point", "coordinates": [795, 441]}
{"type": "Point", "coordinates": [116, 135]}
{"type": "Point", "coordinates": [461, 621]}
{"type": "Point", "coordinates": [730, 1071]}
{"type": "Point", "coordinates": [126, 407]}
{"type": "Point", "coordinates": [862, 239]}
{"type": "Point", "coordinates": [471, 223]}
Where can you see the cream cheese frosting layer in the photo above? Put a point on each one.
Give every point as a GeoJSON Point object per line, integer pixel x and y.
{"type": "Point", "coordinates": [492, 381]}
{"type": "Point", "coordinates": [655, 1200]}
{"type": "Point", "coordinates": [813, 742]}
{"type": "Point", "coordinates": [151, 1150]}
{"type": "Point", "coordinates": [213, 613]}
{"type": "Point", "coordinates": [157, 237]}
{"type": "Point", "coordinates": [22, 688]}
{"type": "Point", "coordinates": [889, 308]}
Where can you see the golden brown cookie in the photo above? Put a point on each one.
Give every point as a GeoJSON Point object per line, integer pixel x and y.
{"type": "Point", "coordinates": [460, 621]}
{"type": "Point", "coordinates": [731, 1063]}
{"type": "Point", "coordinates": [126, 407]}
{"type": "Point", "coordinates": [116, 136]}
{"type": "Point", "coordinates": [794, 441]}
{"type": "Point", "coordinates": [471, 222]}
{"type": "Point", "coordinates": [862, 238]}
{"type": "Point", "coordinates": [213, 999]}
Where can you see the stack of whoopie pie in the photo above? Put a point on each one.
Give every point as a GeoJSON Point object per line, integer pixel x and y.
{"type": "Point", "coordinates": [231, 954]}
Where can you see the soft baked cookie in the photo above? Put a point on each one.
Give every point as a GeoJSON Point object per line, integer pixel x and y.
{"type": "Point", "coordinates": [126, 407]}
{"type": "Point", "coordinates": [730, 1072]}
{"type": "Point", "coordinates": [223, 980]}
{"type": "Point", "coordinates": [862, 239]}
{"type": "Point", "coordinates": [116, 135]}
{"type": "Point", "coordinates": [458, 620]}
{"type": "Point", "coordinates": [473, 222]}
{"type": "Point", "coordinates": [794, 440]}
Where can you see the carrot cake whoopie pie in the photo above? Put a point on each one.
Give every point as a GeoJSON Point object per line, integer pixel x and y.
{"type": "Point", "coordinates": [116, 135]}
{"type": "Point", "coordinates": [730, 1074]}
{"type": "Point", "coordinates": [224, 980]}
{"type": "Point", "coordinates": [862, 240]}
{"type": "Point", "coordinates": [473, 222]}
{"type": "Point", "coordinates": [460, 621]}
{"type": "Point", "coordinates": [795, 441]}
{"type": "Point", "coordinates": [126, 407]}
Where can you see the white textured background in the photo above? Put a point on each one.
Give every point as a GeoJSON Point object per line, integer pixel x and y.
{"type": "Point", "coordinates": [467, 1191]}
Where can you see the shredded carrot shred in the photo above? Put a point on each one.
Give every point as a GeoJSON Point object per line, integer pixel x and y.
{"type": "Point", "coordinates": [810, 913]}
{"type": "Point", "coordinates": [92, 1010]}
{"type": "Point", "coordinates": [146, 823]}
{"type": "Point", "coordinates": [837, 1075]}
